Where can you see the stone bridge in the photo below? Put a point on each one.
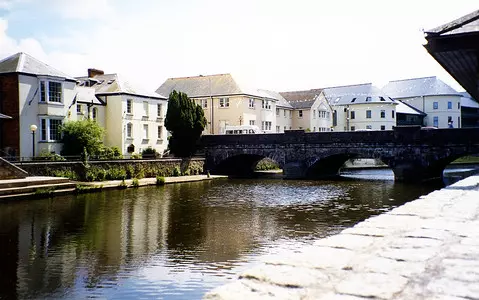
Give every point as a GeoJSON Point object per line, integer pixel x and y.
{"type": "Point", "coordinates": [413, 154]}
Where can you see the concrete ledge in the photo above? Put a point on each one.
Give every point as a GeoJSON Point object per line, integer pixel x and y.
{"type": "Point", "coordinates": [424, 249]}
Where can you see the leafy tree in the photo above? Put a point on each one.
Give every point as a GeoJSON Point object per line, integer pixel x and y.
{"type": "Point", "coordinates": [185, 120]}
{"type": "Point", "coordinates": [80, 135]}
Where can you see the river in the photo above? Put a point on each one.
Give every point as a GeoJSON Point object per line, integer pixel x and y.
{"type": "Point", "coordinates": [176, 241]}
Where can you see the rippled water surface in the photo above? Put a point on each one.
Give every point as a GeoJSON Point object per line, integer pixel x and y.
{"type": "Point", "coordinates": [176, 241]}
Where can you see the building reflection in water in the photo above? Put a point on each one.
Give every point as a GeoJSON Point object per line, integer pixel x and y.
{"type": "Point", "coordinates": [72, 245]}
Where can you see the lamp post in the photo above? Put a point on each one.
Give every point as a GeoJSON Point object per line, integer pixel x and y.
{"type": "Point", "coordinates": [33, 128]}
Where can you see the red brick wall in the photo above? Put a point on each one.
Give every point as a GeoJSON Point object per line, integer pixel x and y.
{"type": "Point", "coordinates": [10, 128]}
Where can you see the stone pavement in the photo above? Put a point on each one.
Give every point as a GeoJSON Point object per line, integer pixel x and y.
{"type": "Point", "coordinates": [425, 249]}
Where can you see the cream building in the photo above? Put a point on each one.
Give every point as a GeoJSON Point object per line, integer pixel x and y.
{"type": "Point", "coordinates": [312, 111]}
{"type": "Point", "coordinates": [361, 107]}
{"type": "Point", "coordinates": [133, 118]}
{"type": "Point", "coordinates": [225, 102]}
{"type": "Point", "coordinates": [440, 102]}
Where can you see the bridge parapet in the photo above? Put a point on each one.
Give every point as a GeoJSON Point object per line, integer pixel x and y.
{"type": "Point", "coordinates": [413, 153]}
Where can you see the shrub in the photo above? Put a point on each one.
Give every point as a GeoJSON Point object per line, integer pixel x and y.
{"type": "Point", "coordinates": [122, 184]}
{"type": "Point", "coordinates": [135, 183]}
{"type": "Point", "coordinates": [149, 153]}
{"type": "Point", "coordinates": [160, 180]}
{"type": "Point", "coordinates": [176, 171]}
{"type": "Point", "coordinates": [135, 156]}
{"type": "Point", "coordinates": [45, 155]}
{"type": "Point", "coordinates": [116, 174]}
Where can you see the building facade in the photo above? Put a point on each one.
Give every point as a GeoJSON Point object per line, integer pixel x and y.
{"type": "Point", "coordinates": [440, 102]}
{"type": "Point", "coordinates": [225, 102]}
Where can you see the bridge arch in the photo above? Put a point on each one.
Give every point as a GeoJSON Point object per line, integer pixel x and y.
{"type": "Point", "coordinates": [240, 164]}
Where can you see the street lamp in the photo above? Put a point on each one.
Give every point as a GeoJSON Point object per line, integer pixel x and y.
{"type": "Point", "coordinates": [33, 128]}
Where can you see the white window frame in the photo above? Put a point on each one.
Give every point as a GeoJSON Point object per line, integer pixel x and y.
{"type": "Point", "coordinates": [129, 106]}
{"type": "Point", "coordinates": [300, 113]}
{"type": "Point", "coordinates": [94, 113]}
{"type": "Point", "coordinates": [204, 103]}
{"type": "Point", "coordinates": [382, 114]}
{"type": "Point", "coordinates": [129, 130]}
{"type": "Point", "coordinates": [369, 114]}
{"type": "Point", "coordinates": [160, 132]}
{"type": "Point", "coordinates": [146, 109]}
{"type": "Point", "coordinates": [159, 110]}
{"type": "Point", "coordinates": [45, 129]}
{"type": "Point", "coordinates": [251, 122]}
{"type": "Point", "coordinates": [79, 109]}
{"type": "Point", "coordinates": [45, 92]}
{"type": "Point", "coordinates": [251, 103]}
{"type": "Point", "coordinates": [146, 132]}
{"type": "Point", "coordinates": [224, 102]}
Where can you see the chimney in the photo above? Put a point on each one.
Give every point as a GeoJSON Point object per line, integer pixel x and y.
{"type": "Point", "coordinates": [93, 72]}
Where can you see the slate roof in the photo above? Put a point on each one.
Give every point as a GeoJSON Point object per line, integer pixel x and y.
{"type": "Point", "coordinates": [356, 94]}
{"type": "Point", "coordinates": [113, 84]}
{"type": "Point", "coordinates": [301, 99]}
{"type": "Point", "coordinates": [465, 24]}
{"type": "Point", "coordinates": [26, 64]}
{"type": "Point", "coordinates": [281, 100]}
{"type": "Point", "coordinates": [415, 87]}
{"type": "Point", "coordinates": [404, 108]}
{"type": "Point", "coordinates": [87, 95]}
{"type": "Point", "coordinates": [212, 85]}
{"type": "Point", "coordinates": [467, 101]}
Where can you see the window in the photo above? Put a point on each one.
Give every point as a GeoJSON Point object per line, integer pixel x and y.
{"type": "Point", "coordinates": [335, 118]}
{"type": "Point", "coordinates": [129, 106]}
{"type": "Point", "coordinates": [145, 108]}
{"type": "Point", "coordinates": [79, 109]}
{"type": "Point", "coordinates": [458, 105]}
{"type": "Point", "coordinates": [368, 114]}
{"type": "Point", "coordinates": [251, 122]}
{"type": "Point", "coordinates": [368, 99]}
{"type": "Point", "coordinates": [382, 99]}
{"type": "Point", "coordinates": [266, 125]}
{"type": "Point", "coordinates": [449, 105]}
{"type": "Point", "coordinates": [94, 113]}
{"type": "Point", "coordinates": [129, 129]}
{"type": "Point", "coordinates": [383, 114]}
{"type": "Point", "coordinates": [369, 127]}
{"type": "Point", "coordinates": [314, 114]}
{"type": "Point", "coordinates": [50, 91]}
{"type": "Point", "coordinates": [290, 114]}
{"type": "Point", "coordinates": [277, 129]}
{"type": "Point", "coordinates": [145, 131]}
{"type": "Point", "coordinates": [314, 129]}
{"type": "Point", "coordinates": [277, 112]}
{"type": "Point", "coordinates": [284, 113]}
{"type": "Point", "coordinates": [353, 128]}
{"type": "Point", "coordinates": [203, 103]}
{"type": "Point", "coordinates": [251, 103]}
{"type": "Point", "coordinates": [224, 102]}
{"type": "Point", "coordinates": [266, 104]}
{"type": "Point", "coordinates": [353, 115]}
{"type": "Point", "coordinates": [160, 132]}
{"type": "Point", "coordinates": [435, 105]}
{"type": "Point", "coordinates": [435, 122]}
{"type": "Point", "coordinates": [383, 127]}
{"type": "Point", "coordinates": [159, 110]}
{"type": "Point", "coordinates": [300, 113]}
{"type": "Point", "coordinates": [50, 130]}
{"type": "Point", "coordinates": [392, 114]}
{"type": "Point", "coordinates": [354, 99]}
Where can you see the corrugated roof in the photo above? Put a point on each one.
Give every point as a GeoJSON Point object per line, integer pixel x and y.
{"type": "Point", "coordinates": [212, 85]}
{"type": "Point", "coordinates": [415, 87]}
{"type": "Point", "coordinates": [106, 84]}
{"type": "Point", "coordinates": [26, 64]}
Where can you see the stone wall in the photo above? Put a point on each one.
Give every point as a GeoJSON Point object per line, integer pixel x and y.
{"type": "Point", "coordinates": [9, 171]}
{"type": "Point", "coordinates": [115, 169]}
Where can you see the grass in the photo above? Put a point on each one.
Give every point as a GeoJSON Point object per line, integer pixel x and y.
{"type": "Point", "coordinates": [467, 160]}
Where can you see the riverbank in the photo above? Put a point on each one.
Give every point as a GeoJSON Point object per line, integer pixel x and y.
{"type": "Point", "coordinates": [427, 248]}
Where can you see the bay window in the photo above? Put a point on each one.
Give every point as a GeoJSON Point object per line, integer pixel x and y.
{"type": "Point", "coordinates": [51, 91]}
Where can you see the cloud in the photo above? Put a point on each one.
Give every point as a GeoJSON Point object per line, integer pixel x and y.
{"type": "Point", "coordinates": [82, 10]}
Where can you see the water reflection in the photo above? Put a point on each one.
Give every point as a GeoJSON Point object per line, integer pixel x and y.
{"type": "Point", "coordinates": [176, 241]}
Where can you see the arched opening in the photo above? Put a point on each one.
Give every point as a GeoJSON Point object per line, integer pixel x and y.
{"type": "Point", "coordinates": [245, 165]}
{"type": "Point", "coordinates": [461, 168]}
{"type": "Point", "coordinates": [328, 167]}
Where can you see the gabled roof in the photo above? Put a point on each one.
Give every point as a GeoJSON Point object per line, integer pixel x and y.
{"type": "Point", "coordinates": [114, 84]}
{"type": "Point", "coordinates": [275, 95]}
{"type": "Point", "coordinates": [465, 24]}
{"type": "Point", "coordinates": [211, 85]}
{"type": "Point", "coordinates": [416, 87]}
{"type": "Point", "coordinates": [26, 64]}
{"type": "Point", "coordinates": [87, 95]}
{"type": "Point", "coordinates": [302, 99]}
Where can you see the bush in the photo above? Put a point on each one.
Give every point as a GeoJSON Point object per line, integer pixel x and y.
{"type": "Point", "coordinates": [135, 156]}
{"type": "Point", "coordinates": [135, 183]}
{"type": "Point", "coordinates": [176, 172]}
{"type": "Point", "coordinates": [160, 180]}
{"type": "Point", "coordinates": [122, 184]}
{"type": "Point", "coordinates": [116, 174]}
{"type": "Point", "coordinates": [45, 155]}
{"type": "Point", "coordinates": [110, 153]}
{"type": "Point", "coordinates": [149, 153]}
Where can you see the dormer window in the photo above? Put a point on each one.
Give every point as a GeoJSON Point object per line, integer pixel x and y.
{"type": "Point", "coordinates": [51, 91]}
{"type": "Point", "coordinates": [354, 99]}
{"type": "Point", "coordinates": [368, 99]}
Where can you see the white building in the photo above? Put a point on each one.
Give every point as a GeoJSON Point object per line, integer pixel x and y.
{"type": "Point", "coordinates": [33, 93]}
{"type": "Point", "coordinates": [440, 102]}
{"type": "Point", "coordinates": [133, 118]}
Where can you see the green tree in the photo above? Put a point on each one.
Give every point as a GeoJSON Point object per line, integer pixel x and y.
{"type": "Point", "coordinates": [80, 135]}
{"type": "Point", "coordinates": [185, 120]}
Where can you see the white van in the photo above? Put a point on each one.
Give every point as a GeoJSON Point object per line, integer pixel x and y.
{"type": "Point", "coordinates": [241, 129]}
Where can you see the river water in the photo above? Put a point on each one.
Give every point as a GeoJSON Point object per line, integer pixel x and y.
{"type": "Point", "coordinates": [176, 241]}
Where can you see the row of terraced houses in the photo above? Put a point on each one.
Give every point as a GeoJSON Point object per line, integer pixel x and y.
{"type": "Point", "coordinates": [34, 93]}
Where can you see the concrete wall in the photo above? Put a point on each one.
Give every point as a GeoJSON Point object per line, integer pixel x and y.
{"type": "Point", "coordinates": [361, 121]}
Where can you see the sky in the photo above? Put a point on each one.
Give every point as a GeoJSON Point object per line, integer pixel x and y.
{"type": "Point", "coordinates": [281, 45]}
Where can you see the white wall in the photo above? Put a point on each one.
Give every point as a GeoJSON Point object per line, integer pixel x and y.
{"type": "Point", "coordinates": [361, 122]}
{"type": "Point", "coordinates": [284, 119]}
{"type": "Point", "coordinates": [31, 111]}
{"type": "Point", "coordinates": [426, 104]}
